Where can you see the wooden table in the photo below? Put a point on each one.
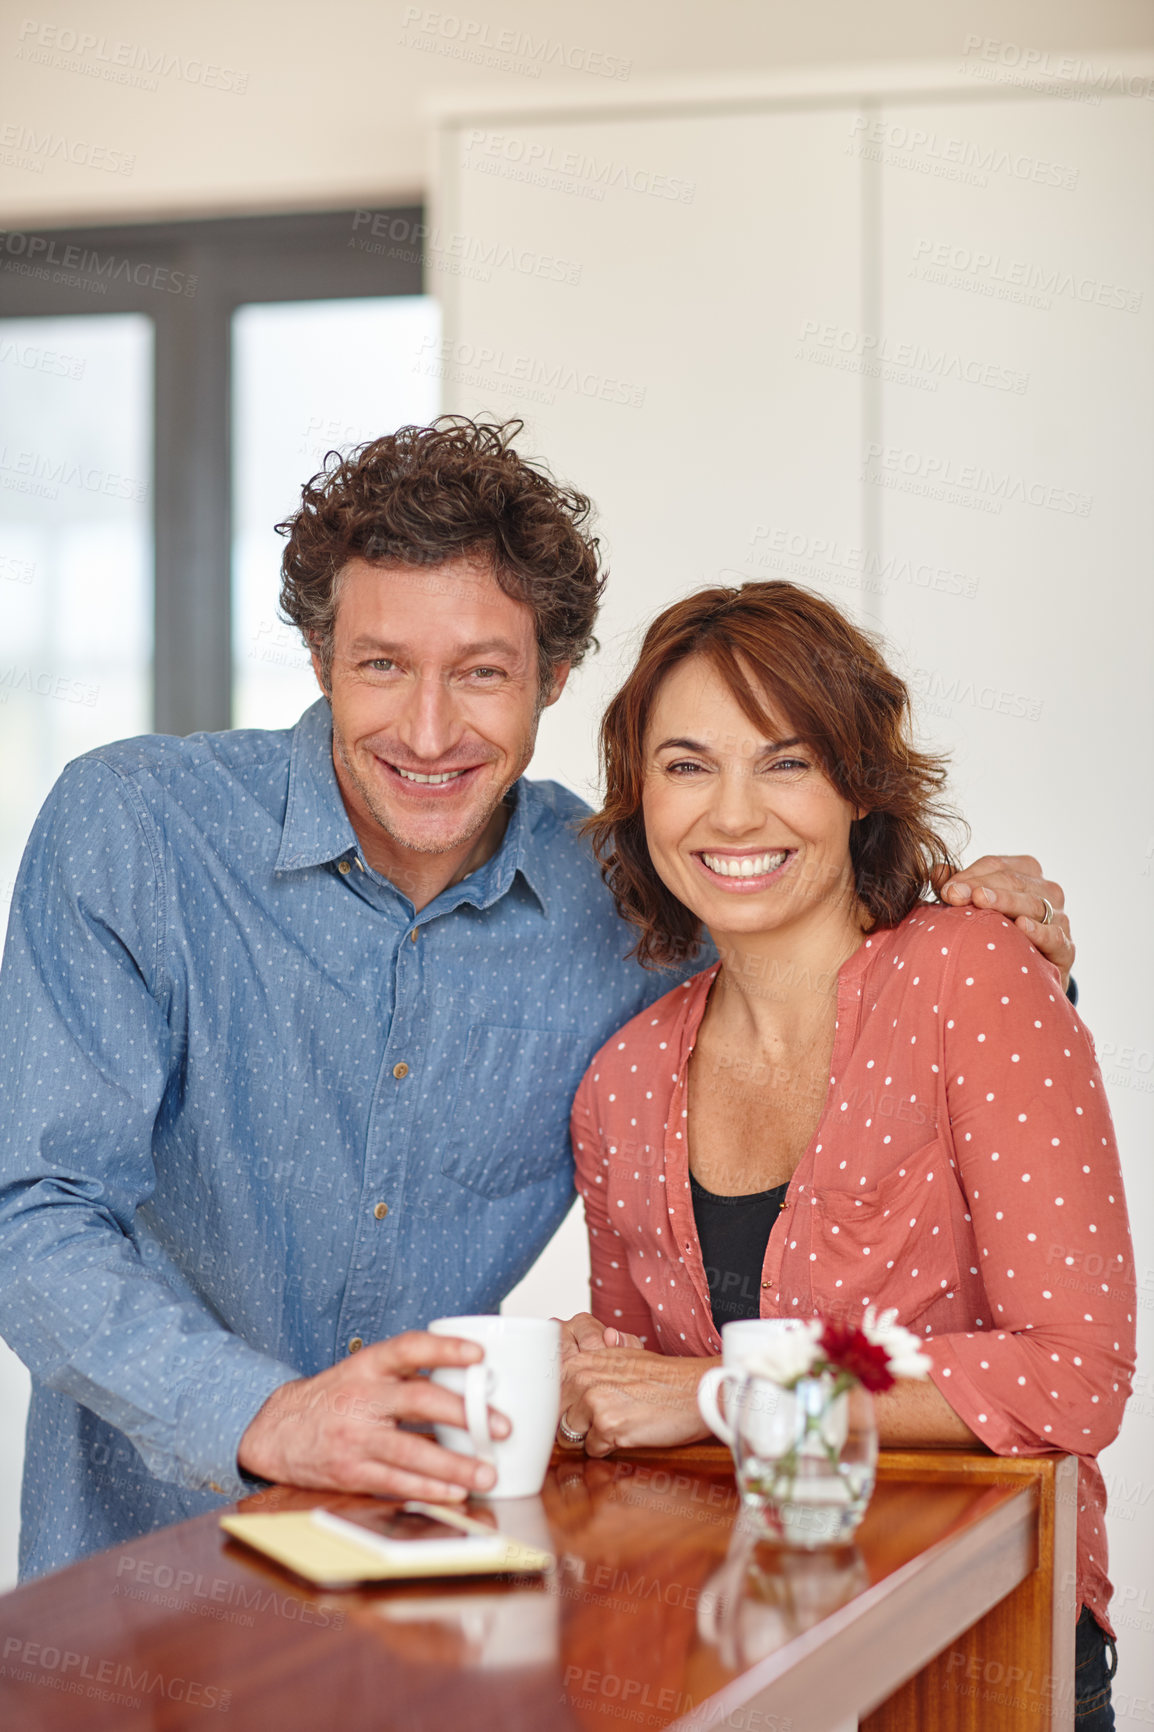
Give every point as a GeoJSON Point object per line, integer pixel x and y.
{"type": "Point", "coordinates": [954, 1610]}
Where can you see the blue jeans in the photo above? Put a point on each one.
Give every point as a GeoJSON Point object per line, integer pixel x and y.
{"type": "Point", "coordinates": [1095, 1662]}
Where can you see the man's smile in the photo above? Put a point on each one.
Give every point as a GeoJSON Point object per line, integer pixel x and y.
{"type": "Point", "coordinates": [426, 785]}
{"type": "Point", "coordinates": [437, 780]}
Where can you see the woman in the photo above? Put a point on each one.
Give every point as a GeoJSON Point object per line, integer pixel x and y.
{"type": "Point", "coordinates": [869, 1100]}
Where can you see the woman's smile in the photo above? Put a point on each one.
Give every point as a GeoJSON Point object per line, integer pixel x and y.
{"type": "Point", "coordinates": [744, 873]}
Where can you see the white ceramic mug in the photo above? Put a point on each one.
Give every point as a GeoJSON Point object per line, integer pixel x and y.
{"type": "Point", "coordinates": [740, 1342]}
{"type": "Point", "coordinates": [520, 1376]}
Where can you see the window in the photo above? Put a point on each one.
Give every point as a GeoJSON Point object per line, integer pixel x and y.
{"type": "Point", "coordinates": [75, 550]}
{"type": "Point", "coordinates": [187, 281]}
{"type": "Point", "coordinates": [164, 390]}
{"type": "Point", "coordinates": [308, 377]}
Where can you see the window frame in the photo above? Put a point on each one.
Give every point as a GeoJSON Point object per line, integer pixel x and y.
{"type": "Point", "coordinates": [189, 277]}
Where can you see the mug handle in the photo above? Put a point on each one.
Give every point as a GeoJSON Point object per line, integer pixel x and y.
{"type": "Point", "coordinates": [707, 1404]}
{"type": "Point", "coordinates": [477, 1381]}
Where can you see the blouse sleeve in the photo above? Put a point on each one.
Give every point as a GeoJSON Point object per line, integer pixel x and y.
{"type": "Point", "coordinates": [613, 1299]}
{"type": "Point", "coordinates": [1051, 1367]}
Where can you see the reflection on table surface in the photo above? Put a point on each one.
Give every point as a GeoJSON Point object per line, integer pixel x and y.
{"type": "Point", "coordinates": [763, 1595]}
{"type": "Point", "coordinates": [661, 1597]}
{"type": "Point", "coordinates": [663, 1593]}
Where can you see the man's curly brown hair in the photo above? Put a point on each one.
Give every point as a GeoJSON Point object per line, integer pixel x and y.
{"type": "Point", "coordinates": [425, 495]}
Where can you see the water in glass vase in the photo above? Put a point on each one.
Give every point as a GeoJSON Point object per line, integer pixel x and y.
{"type": "Point", "coordinates": [806, 1457]}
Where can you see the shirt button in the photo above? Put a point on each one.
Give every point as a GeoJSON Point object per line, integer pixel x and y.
{"type": "Point", "coordinates": [400, 1070]}
{"type": "Point", "coordinates": [765, 1283]}
{"type": "Point", "coordinates": [356, 1344]}
{"type": "Point", "coordinates": [343, 866]}
{"type": "Point", "coordinates": [413, 935]}
{"type": "Point", "coordinates": [381, 1210]}
{"type": "Point", "coordinates": [219, 1489]}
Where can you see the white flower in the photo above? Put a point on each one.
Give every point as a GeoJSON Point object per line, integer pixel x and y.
{"type": "Point", "coordinates": [902, 1347]}
{"type": "Point", "coordinates": [787, 1354]}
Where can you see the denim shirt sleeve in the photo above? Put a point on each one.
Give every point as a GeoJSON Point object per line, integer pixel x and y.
{"type": "Point", "coordinates": [86, 1055]}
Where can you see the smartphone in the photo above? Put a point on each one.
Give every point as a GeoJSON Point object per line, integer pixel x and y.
{"type": "Point", "coordinates": [420, 1536]}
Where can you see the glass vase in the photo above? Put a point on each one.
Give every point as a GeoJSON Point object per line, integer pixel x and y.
{"type": "Point", "coordinates": [806, 1458]}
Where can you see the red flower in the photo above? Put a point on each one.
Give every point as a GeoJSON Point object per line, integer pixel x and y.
{"type": "Point", "coordinates": [848, 1349]}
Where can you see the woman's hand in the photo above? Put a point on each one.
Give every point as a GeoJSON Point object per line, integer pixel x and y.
{"type": "Point", "coordinates": [625, 1398]}
{"type": "Point", "coordinates": [583, 1334]}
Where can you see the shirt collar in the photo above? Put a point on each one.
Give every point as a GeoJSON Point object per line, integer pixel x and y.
{"type": "Point", "coordinates": [528, 817]}
{"type": "Point", "coordinates": [317, 827]}
{"type": "Point", "coordinates": [520, 852]}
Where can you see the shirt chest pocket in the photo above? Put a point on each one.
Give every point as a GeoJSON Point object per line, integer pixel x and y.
{"type": "Point", "coordinates": [509, 1126]}
{"type": "Point", "coordinates": [893, 1244]}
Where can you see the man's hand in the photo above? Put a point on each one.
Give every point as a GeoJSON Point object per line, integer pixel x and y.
{"type": "Point", "coordinates": [1013, 884]}
{"type": "Point", "coordinates": [623, 1398]}
{"type": "Point", "coordinates": [338, 1431]}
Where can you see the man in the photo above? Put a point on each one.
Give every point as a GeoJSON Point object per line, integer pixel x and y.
{"type": "Point", "coordinates": [290, 1022]}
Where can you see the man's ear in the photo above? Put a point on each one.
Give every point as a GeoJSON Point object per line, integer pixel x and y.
{"type": "Point", "coordinates": [561, 672]}
{"type": "Point", "coordinates": [314, 657]}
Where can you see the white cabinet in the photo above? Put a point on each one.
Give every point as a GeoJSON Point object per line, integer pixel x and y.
{"type": "Point", "coordinates": [665, 274]}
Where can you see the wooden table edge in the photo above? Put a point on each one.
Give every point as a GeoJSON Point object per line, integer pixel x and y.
{"type": "Point", "coordinates": [805, 1685]}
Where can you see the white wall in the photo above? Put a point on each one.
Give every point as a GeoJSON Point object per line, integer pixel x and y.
{"type": "Point", "coordinates": [15, 1387]}
{"type": "Point", "coordinates": [773, 439]}
{"type": "Point", "coordinates": [153, 108]}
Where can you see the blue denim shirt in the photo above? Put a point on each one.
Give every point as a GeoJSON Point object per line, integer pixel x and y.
{"type": "Point", "coordinates": [224, 1043]}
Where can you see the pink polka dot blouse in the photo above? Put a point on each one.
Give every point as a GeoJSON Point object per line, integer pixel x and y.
{"type": "Point", "coordinates": [964, 1170]}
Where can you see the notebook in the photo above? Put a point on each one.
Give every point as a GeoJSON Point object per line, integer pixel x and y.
{"type": "Point", "coordinates": [395, 1543]}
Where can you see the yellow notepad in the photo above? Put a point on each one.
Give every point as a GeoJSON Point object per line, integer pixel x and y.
{"type": "Point", "coordinates": [332, 1552]}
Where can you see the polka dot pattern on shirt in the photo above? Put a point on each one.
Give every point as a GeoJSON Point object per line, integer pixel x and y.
{"type": "Point", "coordinates": [971, 1123]}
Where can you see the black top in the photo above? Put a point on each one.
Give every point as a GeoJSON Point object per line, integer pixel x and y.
{"type": "Point", "coordinates": [733, 1233]}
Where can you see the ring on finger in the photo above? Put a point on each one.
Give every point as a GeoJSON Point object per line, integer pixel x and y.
{"type": "Point", "coordinates": [568, 1435]}
{"type": "Point", "coordinates": [1049, 914]}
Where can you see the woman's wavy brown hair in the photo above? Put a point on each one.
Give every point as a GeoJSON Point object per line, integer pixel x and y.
{"type": "Point", "coordinates": [777, 646]}
{"type": "Point", "coordinates": [424, 495]}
